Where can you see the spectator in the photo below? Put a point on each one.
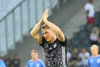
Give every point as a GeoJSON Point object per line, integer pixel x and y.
{"type": "Point", "coordinates": [99, 41]}
{"type": "Point", "coordinates": [35, 62]}
{"type": "Point", "coordinates": [74, 57]}
{"type": "Point", "coordinates": [94, 35]}
{"type": "Point", "coordinates": [89, 10]}
{"type": "Point", "coordinates": [15, 61]}
{"type": "Point", "coordinates": [68, 56]}
{"type": "Point", "coordinates": [78, 62]}
{"type": "Point", "coordinates": [7, 60]}
{"type": "Point", "coordinates": [2, 64]}
{"type": "Point", "coordinates": [84, 56]}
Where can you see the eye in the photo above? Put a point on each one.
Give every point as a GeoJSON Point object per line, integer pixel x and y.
{"type": "Point", "coordinates": [46, 32]}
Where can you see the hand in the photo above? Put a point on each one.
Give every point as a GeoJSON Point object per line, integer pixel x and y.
{"type": "Point", "coordinates": [45, 15]}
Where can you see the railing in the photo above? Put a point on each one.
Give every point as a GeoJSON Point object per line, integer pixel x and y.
{"type": "Point", "coordinates": [18, 22]}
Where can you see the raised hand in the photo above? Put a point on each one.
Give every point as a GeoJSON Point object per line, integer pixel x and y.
{"type": "Point", "coordinates": [45, 15]}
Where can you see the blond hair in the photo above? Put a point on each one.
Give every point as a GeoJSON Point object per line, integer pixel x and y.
{"type": "Point", "coordinates": [34, 51]}
{"type": "Point", "coordinates": [45, 26]}
{"type": "Point", "coordinates": [95, 30]}
{"type": "Point", "coordinates": [95, 46]}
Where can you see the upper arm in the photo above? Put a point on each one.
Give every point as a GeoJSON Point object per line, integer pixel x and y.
{"type": "Point", "coordinates": [42, 64]}
{"type": "Point", "coordinates": [3, 64]}
{"type": "Point", "coordinates": [61, 36]}
{"type": "Point", "coordinates": [37, 37]}
{"type": "Point", "coordinates": [86, 9]}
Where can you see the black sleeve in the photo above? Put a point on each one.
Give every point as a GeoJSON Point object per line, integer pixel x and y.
{"type": "Point", "coordinates": [64, 43]}
{"type": "Point", "coordinates": [43, 40]}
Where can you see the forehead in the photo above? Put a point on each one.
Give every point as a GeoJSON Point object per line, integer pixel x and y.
{"type": "Point", "coordinates": [46, 30]}
{"type": "Point", "coordinates": [94, 48]}
{"type": "Point", "coordinates": [34, 53]}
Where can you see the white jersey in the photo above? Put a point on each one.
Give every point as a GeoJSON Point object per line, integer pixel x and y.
{"type": "Point", "coordinates": [90, 8]}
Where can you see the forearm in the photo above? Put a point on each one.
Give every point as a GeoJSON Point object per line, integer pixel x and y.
{"type": "Point", "coordinates": [36, 28]}
{"type": "Point", "coordinates": [53, 27]}
{"type": "Point", "coordinates": [57, 30]}
{"type": "Point", "coordinates": [86, 12]}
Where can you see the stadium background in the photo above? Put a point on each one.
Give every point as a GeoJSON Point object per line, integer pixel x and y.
{"type": "Point", "coordinates": [17, 17]}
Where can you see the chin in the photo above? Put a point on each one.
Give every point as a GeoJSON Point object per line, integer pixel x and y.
{"type": "Point", "coordinates": [48, 40]}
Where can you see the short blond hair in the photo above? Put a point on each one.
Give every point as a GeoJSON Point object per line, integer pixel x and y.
{"type": "Point", "coordinates": [45, 26]}
{"type": "Point", "coordinates": [94, 46]}
{"type": "Point", "coordinates": [34, 51]}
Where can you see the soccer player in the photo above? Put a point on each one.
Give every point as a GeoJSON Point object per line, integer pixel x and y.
{"type": "Point", "coordinates": [35, 62]}
{"type": "Point", "coordinates": [94, 60]}
{"type": "Point", "coordinates": [2, 64]}
{"type": "Point", "coordinates": [53, 41]}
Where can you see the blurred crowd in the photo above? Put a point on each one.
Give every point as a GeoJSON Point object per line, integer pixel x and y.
{"type": "Point", "coordinates": [14, 62]}
{"type": "Point", "coordinates": [77, 58]}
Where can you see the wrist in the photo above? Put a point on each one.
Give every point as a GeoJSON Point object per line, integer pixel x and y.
{"type": "Point", "coordinates": [41, 21]}
{"type": "Point", "coordinates": [45, 21]}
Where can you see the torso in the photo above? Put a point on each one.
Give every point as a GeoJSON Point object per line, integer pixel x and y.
{"type": "Point", "coordinates": [53, 53]}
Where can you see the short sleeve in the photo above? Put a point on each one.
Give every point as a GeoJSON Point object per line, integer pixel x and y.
{"type": "Point", "coordinates": [2, 63]}
{"type": "Point", "coordinates": [86, 7]}
{"type": "Point", "coordinates": [43, 40]}
{"type": "Point", "coordinates": [87, 54]}
{"type": "Point", "coordinates": [64, 43]}
{"type": "Point", "coordinates": [80, 55]}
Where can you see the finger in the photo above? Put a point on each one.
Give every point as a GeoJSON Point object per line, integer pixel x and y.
{"type": "Point", "coordinates": [47, 16]}
{"type": "Point", "coordinates": [46, 11]}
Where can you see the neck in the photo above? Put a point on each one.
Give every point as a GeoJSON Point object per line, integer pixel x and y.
{"type": "Point", "coordinates": [95, 55]}
{"type": "Point", "coordinates": [53, 40]}
{"type": "Point", "coordinates": [35, 59]}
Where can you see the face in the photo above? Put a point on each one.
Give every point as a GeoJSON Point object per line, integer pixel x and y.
{"type": "Point", "coordinates": [34, 55]}
{"type": "Point", "coordinates": [95, 30]}
{"type": "Point", "coordinates": [83, 50]}
{"type": "Point", "coordinates": [94, 51]}
{"type": "Point", "coordinates": [75, 50]}
{"type": "Point", "coordinates": [16, 57]}
{"type": "Point", "coordinates": [48, 34]}
{"type": "Point", "coordinates": [7, 57]}
{"type": "Point", "coordinates": [92, 2]}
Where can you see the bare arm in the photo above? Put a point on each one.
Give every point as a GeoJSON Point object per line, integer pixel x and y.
{"type": "Point", "coordinates": [34, 33]}
{"type": "Point", "coordinates": [55, 28]}
{"type": "Point", "coordinates": [86, 12]}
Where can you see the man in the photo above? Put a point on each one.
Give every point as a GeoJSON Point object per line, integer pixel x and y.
{"type": "Point", "coordinates": [94, 60]}
{"type": "Point", "coordinates": [52, 41]}
{"type": "Point", "coordinates": [2, 64]}
{"type": "Point", "coordinates": [7, 60]}
{"type": "Point", "coordinates": [89, 10]}
{"type": "Point", "coordinates": [35, 62]}
{"type": "Point", "coordinates": [16, 61]}
{"type": "Point", "coordinates": [84, 55]}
